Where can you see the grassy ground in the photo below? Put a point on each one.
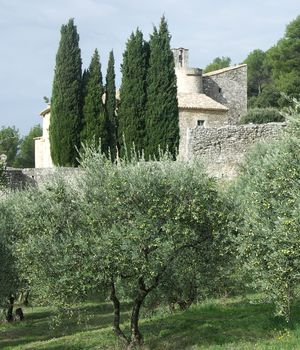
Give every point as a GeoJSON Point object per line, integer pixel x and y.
{"type": "Point", "coordinates": [216, 325]}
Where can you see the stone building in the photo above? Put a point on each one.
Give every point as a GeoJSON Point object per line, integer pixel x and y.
{"type": "Point", "coordinates": [210, 100]}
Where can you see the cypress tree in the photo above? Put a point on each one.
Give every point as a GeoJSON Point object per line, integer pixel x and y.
{"type": "Point", "coordinates": [84, 81]}
{"type": "Point", "coordinates": [162, 123]}
{"type": "Point", "coordinates": [110, 104]}
{"type": "Point", "coordinates": [95, 124]}
{"type": "Point", "coordinates": [66, 102]}
{"type": "Point", "coordinates": [131, 112]}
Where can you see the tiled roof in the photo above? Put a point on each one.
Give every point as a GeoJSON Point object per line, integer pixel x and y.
{"type": "Point", "coordinates": [199, 101]}
{"type": "Point", "coordinates": [223, 70]}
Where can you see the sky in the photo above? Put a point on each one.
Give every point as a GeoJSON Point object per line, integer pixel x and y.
{"type": "Point", "coordinates": [30, 34]}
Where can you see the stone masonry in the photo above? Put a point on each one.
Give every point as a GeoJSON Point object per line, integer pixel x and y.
{"type": "Point", "coordinates": [210, 107]}
{"type": "Point", "coordinates": [19, 179]}
{"type": "Point", "coordinates": [228, 86]}
{"type": "Point", "coordinates": [223, 149]}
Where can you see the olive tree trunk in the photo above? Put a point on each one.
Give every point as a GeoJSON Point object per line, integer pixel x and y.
{"type": "Point", "coordinates": [117, 310]}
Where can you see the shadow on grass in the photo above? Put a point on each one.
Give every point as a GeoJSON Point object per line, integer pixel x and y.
{"type": "Point", "coordinates": [215, 324]}
{"type": "Point", "coordinates": [37, 325]}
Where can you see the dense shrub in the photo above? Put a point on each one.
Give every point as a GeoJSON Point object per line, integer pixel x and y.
{"type": "Point", "coordinates": [267, 196]}
{"type": "Point", "coordinates": [262, 116]}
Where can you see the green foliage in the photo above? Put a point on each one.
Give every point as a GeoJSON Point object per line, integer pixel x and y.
{"type": "Point", "coordinates": [110, 104]}
{"type": "Point", "coordinates": [268, 200]}
{"type": "Point", "coordinates": [140, 212]}
{"type": "Point", "coordinates": [46, 100]}
{"type": "Point", "coordinates": [284, 57]}
{"type": "Point", "coordinates": [218, 63]}
{"type": "Point", "coordinates": [269, 97]}
{"type": "Point", "coordinates": [275, 71]}
{"type": "Point", "coordinates": [95, 120]}
{"type": "Point", "coordinates": [25, 157]}
{"type": "Point", "coordinates": [3, 179]}
{"type": "Point", "coordinates": [66, 101]}
{"type": "Point", "coordinates": [84, 81]}
{"type": "Point", "coordinates": [262, 116]}
{"type": "Point", "coordinates": [259, 73]}
{"type": "Point", "coordinates": [9, 275]}
{"type": "Point", "coordinates": [162, 124]}
{"type": "Point", "coordinates": [126, 224]}
{"type": "Point", "coordinates": [131, 111]}
{"type": "Point", "coordinates": [9, 143]}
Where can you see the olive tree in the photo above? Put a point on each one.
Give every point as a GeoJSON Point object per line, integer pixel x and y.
{"type": "Point", "coordinates": [9, 276]}
{"type": "Point", "coordinates": [148, 215]}
{"type": "Point", "coordinates": [122, 228]}
{"type": "Point", "coordinates": [268, 198]}
{"type": "Point", "coordinates": [51, 246]}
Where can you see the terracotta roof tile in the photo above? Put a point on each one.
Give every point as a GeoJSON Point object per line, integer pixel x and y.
{"type": "Point", "coordinates": [199, 101]}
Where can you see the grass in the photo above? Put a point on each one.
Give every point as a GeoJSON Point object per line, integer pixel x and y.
{"type": "Point", "coordinates": [215, 325]}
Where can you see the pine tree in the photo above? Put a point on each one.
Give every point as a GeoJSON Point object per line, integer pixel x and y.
{"type": "Point", "coordinates": [66, 102]}
{"type": "Point", "coordinates": [131, 112]}
{"type": "Point", "coordinates": [110, 104]}
{"type": "Point", "coordinates": [95, 123]}
{"type": "Point", "coordinates": [162, 124]}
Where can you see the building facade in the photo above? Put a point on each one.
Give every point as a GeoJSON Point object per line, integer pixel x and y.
{"type": "Point", "coordinates": [42, 144]}
{"type": "Point", "coordinates": [211, 100]}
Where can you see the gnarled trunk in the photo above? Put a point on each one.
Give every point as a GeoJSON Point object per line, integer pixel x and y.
{"type": "Point", "coordinates": [136, 336]}
{"type": "Point", "coordinates": [23, 297]}
{"type": "Point", "coordinates": [117, 310]}
{"type": "Point", "coordinates": [10, 308]}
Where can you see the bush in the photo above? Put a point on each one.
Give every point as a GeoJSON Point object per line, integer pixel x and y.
{"type": "Point", "coordinates": [125, 229]}
{"type": "Point", "coordinates": [262, 116]}
{"type": "Point", "coordinates": [267, 196]}
{"type": "Point", "coordinates": [3, 179]}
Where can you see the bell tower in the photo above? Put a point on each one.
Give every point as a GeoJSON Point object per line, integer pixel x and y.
{"type": "Point", "coordinates": [189, 80]}
{"type": "Point", "coordinates": [181, 57]}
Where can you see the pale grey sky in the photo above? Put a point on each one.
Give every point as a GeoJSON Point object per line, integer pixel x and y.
{"type": "Point", "coordinates": [30, 33]}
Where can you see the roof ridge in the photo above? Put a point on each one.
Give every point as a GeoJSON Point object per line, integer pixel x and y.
{"type": "Point", "coordinates": [223, 70]}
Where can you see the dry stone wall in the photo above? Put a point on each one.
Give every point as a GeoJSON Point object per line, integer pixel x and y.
{"type": "Point", "coordinates": [21, 178]}
{"type": "Point", "coordinates": [188, 120]}
{"type": "Point", "coordinates": [223, 149]}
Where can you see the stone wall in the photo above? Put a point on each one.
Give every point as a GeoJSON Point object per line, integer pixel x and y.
{"type": "Point", "coordinates": [188, 119]}
{"type": "Point", "coordinates": [21, 178]}
{"type": "Point", "coordinates": [16, 179]}
{"type": "Point", "coordinates": [223, 149]}
{"type": "Point", "coordinates": [229, 87]}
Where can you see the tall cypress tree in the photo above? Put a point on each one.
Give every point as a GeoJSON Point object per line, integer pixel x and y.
{"type": "Point", "coordinates": [162, 124]}
{"type": "Point", "coordinates": [95, 123]}
{"type": "Point", "coordinates": [66, 102]}
{"type": "Point", "coordinates": [131, 112]}
{"type": "Point", "coordinates": [84, 81]}
{"type": "Point", "coordinates": [110, 104]}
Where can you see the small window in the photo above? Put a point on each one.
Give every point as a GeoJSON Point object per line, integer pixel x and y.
{"type": "Point", "coordinates": [220, 90]}
{"type": "Point", "coordinates": [200, 123]}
